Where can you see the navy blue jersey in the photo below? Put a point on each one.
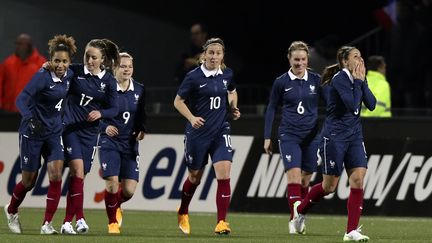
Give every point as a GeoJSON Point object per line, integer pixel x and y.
{"type": "Point", "coordinates": [207, 96]}
{"type": "Point", "coordinates": [42, 98]}
{"type": "Point", "coordinates": [299, 100]}
{"type": "Point", "coordinates": [343, 107]}
{"type": "Point", "coordinates": [131, 116]}
{"type": "Point", "coordinates": [90, 92]}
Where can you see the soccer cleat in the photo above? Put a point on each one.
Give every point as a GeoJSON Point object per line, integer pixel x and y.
{"type": "Point", "coordinates": [299, 220]}
{"type": "Point", "coordinates": [291, 227]}
{"type": "Point", "coordinates": [81, 226]}
{"type": "Point", "coordinates": [183, 223]}
{"type": "Point", "coordinates": [222, 228]}
{"type": "Point", "coordinates": [48, 229]}
{"type": "Point", "coordinates": [114, 228]}
{"type": "Point", "coordinates": [355, 236]}
{"type": "Point", "coordinates": [67, 229]}
{"type": "Point", "coordinates": [13, 221]}
{"type": "Point", "coordinates": [119, 216]}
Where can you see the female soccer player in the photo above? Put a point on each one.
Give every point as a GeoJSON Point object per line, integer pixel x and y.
{"type": "Point", "coordinates": [207, 89]}
{"type": "Point", "coordinates": [40, 105]}
{"type": "Point", "coordinates": [92, 96]}
{"type": "Point", "coordinates": [342, 142]}
{"type": "Point", "coordinates": [297, 92]}
{"type": "Point", "coordinates": [118, 151]}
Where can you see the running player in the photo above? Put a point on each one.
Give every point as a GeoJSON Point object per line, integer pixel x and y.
{"type": "Point", "coordinates": [209, 90]}
{"type": "Point", "coordinates": [297, 91]}
{"type": "Point", "coordinates": [92, 96]}
{"type": "Point", "coordinates": [40, 105]}
{"type": "Point", "coordinates": [118, 153]}
{"type": "Point", "coordinates": [342, 142]}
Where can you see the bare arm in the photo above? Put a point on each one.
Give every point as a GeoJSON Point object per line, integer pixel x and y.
{"type": "Point", "coordinates": [232, 99]}
{"type": "Point", "coordinates": [179, 104]}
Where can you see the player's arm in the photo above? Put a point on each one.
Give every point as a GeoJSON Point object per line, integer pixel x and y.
{"type": "Point", "coordinates": [179, 104]}
{"type": "Point", "coordinates": [232, 100]}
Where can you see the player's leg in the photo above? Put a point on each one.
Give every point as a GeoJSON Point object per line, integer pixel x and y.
{"type": "Point", "coordinates": [30, 164]}
{"type": "Point", "coordinates": [356, 166]}
{"type": "Point", "coordinates": [53, 153]}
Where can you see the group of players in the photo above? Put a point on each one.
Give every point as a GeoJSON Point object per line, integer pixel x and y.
{"type": "Point", "coordinates": [80, 107]}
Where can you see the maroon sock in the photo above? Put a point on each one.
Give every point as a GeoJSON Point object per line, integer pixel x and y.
{"type": "Point", "coordinates": [18, 196]}
{"type": "Point", "coordinates": [70, 211]}
{"type": "Point", "coordinates": [77, 196]}
{"type": "Point", "coordinates": [293, 195]}
{"type": "Point", "coordinates": [111, 205]}
{"type": "Point", "coordinates": [223, 196]}
{"type": "Point", "coordinates": [187, 194]}
{"type": "Point", "coordinates": [314, 196]}
{"type": "Point", "coordinates": [304, 192]}
{"type": "Point", "coordinates": [354, 206]}
{"type": "Point", "coordinates": [52, 200]}
{"type": "Point", "coordinates": [121, 197]}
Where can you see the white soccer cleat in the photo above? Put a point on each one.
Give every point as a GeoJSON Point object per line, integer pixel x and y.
{"type": "Point", "coordinates": [291, 227]}
{"type": "Point", "coordinates": [355, 236]}
{"type": "Point", "coordinates": [13, 221]}
{"type": "Point", "coordinates": [67, 229]}
{"type": "Point", "coordinates": [81, 226]}
{"type": "Point", "coordinates": [299, 220]}
{"type": "Point", "coordinates": [48, 229]}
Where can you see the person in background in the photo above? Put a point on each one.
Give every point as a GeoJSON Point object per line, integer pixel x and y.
{"type": "Point", "coordinates": [380, 87]}
{"type": "Point", "coordinates": [297, 91]}
{"type": "Point", "coordinates": [118, 153]}
{"type": "Point", "coordinates": [17, 70]}
{"type": "Point", "coordinates": [342, 142]}
{"type": "Point", "coordinates": [190, 58]}
{"type": "Point", "coordinates": [92, 96]}
{"type": "Point", "coordinates": [205, 98]}
{"type": "Point", "coordinates": [40, 105]}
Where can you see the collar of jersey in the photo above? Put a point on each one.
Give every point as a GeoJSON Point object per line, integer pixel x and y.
{"type": "Point", "coordinates": [209, 73]}
{"type": "Point", "coordinates": [349, 74]}
{"type": "Point", "coordinates": [292, 75]}
{"type": "Point", "coordinates": [131, 86]}
{"type": "Point", "coordinates": [99, 75]}
{"type": "Point", "coordinates": [55, 78]}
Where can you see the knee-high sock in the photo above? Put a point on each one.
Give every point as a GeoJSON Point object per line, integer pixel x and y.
{"type": "Point", "coordinates": [121, 198]}
{"type": "Point", "coordinates": [355, 207]}
{"type": "Point", "coordinates": [18, 196]}
{"type": "Point", "coordinates": [187, 194]}
{"type": "Point", "coordinates": [314, 196]}
{"type": "Point", "coordinates": [70, 210]}
{"type": "Point", "coordinates": [76, 191]}
{"type": "Point", "coordinates": [223, 196]}
{"type": "Point", "coordinates": [304, 191]}
{"type": "Point", "coordinates": [111, 205]}
{"type": "Point", "coordinates": [52, 200]}
{"type": "Point", "coordinates": [293, 195]}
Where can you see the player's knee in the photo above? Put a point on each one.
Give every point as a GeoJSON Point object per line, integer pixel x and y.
{"type": "Point", "coordinates": [28, 185]}
{"type": "Point", "coordinates": [356, 181]}
{"type": "Point", "coordinates": [329, 188]}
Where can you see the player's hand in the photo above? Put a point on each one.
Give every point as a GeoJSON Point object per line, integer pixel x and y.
{"type": "Point", "coordinates": [47, 65]}
{"type": "Point", "coordinates": [196, 122]}
{"type": "Point", "coordinates": [111, 131]}
{"type": "Point", "coordinates": [359, 71]}
{"type": "Point", "coordinates": [235, 112]}
{"type": "Point", "coordinates": [268, 146]}
{"type": "Point", "coordinates": [138, 135]}
{"type": "Point", "coordinates": [36, 127]}
{"type": "Point", "coordinates": [93, 116]}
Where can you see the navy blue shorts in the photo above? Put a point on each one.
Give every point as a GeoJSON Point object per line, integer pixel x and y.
{"type": "Point", "coordinates": [197, 150]}
{"type": "Point", "coordinates": [115, 161]}
{"type": "Point", "coordinates": [31, 151]}
{"type": "Point", "coordinates": [296, 154]}
{"type": "Point", "coordinates": [339, 154]}
{"type": "Point", "coordinates": [80, 146]}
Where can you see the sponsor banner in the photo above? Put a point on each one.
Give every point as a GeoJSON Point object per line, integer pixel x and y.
{"type": "Point", "coordinates": [162, 173]}
{"type": "Point", "coordinates": [398, 181]}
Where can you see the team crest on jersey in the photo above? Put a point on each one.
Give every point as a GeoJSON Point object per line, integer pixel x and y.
{"type": "Point", "coordinates": [288, 157]}
{"type": "Point", "coordinates": [225, 83]}
{"type": "Point", "coordinates": [67, 85]}
{"type": "Point", "coordinates": [136, 98]}
{"type": "Point", "coordinates": [104, 166]}
{"type": "Point", "coordinates": [332, 164]}
{"type": "Point", "coordinates": [102, 87]}
{"type": "Point", "coordinates": [25, 159]}
{"type": "Point", "coordinates": [312, 89]}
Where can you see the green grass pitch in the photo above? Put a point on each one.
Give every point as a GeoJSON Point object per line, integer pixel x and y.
{"type": "Point", "coordinates": [144, 226]}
